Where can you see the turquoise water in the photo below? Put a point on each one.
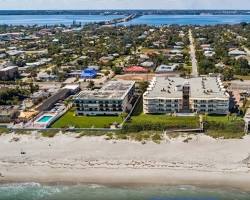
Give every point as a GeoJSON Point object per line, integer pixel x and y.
{"type": "Point", "coordinates": [146, 19]}
{"type": "Point", "coordinates": [44, 119]}
{"type": "Point", "coordinates": [33, 191]}
{"type": "Point", "coordinates": [53, 19]}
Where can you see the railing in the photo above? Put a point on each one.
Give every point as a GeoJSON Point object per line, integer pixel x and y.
{"type": "Point", "coordinates": [59, 115]}
{"type": "Point", "coordinates": [132, 110]}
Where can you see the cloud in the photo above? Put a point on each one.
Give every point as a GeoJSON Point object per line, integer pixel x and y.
{"type": "Point", "coordinates": [124, 4]}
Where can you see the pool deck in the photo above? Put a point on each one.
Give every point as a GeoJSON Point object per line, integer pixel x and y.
{"type": "Point", "coordinates": [44, 119]}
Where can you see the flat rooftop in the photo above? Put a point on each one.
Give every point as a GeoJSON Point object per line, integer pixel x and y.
{"type": "Point", "coordinates": [111, 90]}
{"type": "Point", "coordinates": [200, 88]}
{"type": "Point", "coordinates": [6, 68]}
{"type": "Point", "coordinates": [240, 85]}
{"type": "Point", "coordinates": [5, 110]}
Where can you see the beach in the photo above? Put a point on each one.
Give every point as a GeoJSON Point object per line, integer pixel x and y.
{"type": "Point", "coordinates": [65, 159]}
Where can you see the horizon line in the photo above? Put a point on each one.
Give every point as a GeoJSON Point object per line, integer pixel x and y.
{"type": "Point", "coordinates": [126, 9]}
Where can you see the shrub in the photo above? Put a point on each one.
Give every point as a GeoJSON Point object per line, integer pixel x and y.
{"type": "Point", "coordinates": [109, 136]}
{"type": "Point", "coordinates": [157, 138]}
{"type": "Point", "coordinates": [49, 133]}
{"type": "Point", "coordinates": [138, 137]}
{"type": "Point", "coordinates": [3, 130]}
{"type": "Point", "coordinates": [122, 137]}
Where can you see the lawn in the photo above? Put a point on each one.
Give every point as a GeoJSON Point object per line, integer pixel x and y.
{"type": "Point", "coordinates": [224, 126]}
{"type": "Point", "coordinates": [215, 126]}
{"type": "Point", "coordinates": [3, 130]}
{"type": "Point", "coordinates": [222, 118]}
{"type": "Point", "coordinates": [70, 120]}
{"type": "Point", "coordinates": [243, 77]}
{"type": "Point", "coordinates": [170, 121]}
{"type": "Point", "coordinates": [147, 122]}
{"type": "Point", "coordinates": [247, 104]}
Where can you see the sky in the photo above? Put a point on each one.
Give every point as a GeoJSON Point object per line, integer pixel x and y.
{"type": "Point", "coordinates": [123, 4]}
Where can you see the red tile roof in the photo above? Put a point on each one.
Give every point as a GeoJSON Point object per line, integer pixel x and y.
{"type": "Point", "coordinates": [135, 69]}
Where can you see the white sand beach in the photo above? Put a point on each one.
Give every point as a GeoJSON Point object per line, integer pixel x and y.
{"type": "Point", "coordinates": [66, 159]}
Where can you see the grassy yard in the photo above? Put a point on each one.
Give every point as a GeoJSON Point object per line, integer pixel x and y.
{"type": "Point", "coordinates": [3, 130]}
{"type": "Point", "coordinates": [215, 126]}
{"type": "Point", "coordinates": [247, 78]}
{"type": "Point", "coordinates": [170, 121]}
{"type": "Point", "coordinates": [224, 126]}
{"type": "Point", "coordinates": [145, 122]}
{"type": "Point", "coordinates": [69, 119]}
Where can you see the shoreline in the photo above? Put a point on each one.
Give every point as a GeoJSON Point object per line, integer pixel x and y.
{"type": "Point", "coordinates": [202, 162]}
{"type": "Point", "coordinates": [138, 178]}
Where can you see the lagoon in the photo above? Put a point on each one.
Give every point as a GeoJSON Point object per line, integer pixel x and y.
{"type": "Point", "coordinates": [155, 20]}
{"type": "Point", "coordinates": [42, 20]}
{"type": "Point", "coordinates": [189, 19]}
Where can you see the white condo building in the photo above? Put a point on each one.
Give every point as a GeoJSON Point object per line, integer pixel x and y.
{"type": "Point", "coordinates": [176, 95]}
{"type": "Point", "coordinates": [113, 98]}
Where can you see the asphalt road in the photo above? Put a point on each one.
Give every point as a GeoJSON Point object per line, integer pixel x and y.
{"type": "Point", "coordinates": [193, 56]}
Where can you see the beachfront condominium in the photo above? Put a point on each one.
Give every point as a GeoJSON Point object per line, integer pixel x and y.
{"type": "Point", "coordinates": [8, 72]}
{"type": "Point", "coordinates": [180, 95]}
{"type": "Point", "coordinates": [113, 98]}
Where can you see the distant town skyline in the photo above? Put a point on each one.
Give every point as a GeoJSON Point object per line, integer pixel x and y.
{"type": "Point", "coordinates": [122, 4]}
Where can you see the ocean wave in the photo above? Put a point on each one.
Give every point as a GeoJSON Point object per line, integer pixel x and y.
{"type": "Point", "coordinates": [28, 184]}
{"type": "Point", "coordinates": [27, 191]}
{"type": "Point", "coordinates": [96, 186]}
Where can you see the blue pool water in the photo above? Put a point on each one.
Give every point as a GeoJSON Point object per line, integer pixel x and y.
{"type": "Point", "coordinates": [44, 119]}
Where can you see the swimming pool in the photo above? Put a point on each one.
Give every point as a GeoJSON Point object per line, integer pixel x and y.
{"type": "Point", "coordinates": [44, 119]}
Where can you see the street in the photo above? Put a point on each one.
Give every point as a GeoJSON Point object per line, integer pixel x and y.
{"type": "Point", "coordinates": [193, 56]}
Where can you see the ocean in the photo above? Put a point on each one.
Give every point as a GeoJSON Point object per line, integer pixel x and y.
{"type": "Point", "coordinates": [145, 19]}
{"type": "Point", "coordinates": [35, 191]}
